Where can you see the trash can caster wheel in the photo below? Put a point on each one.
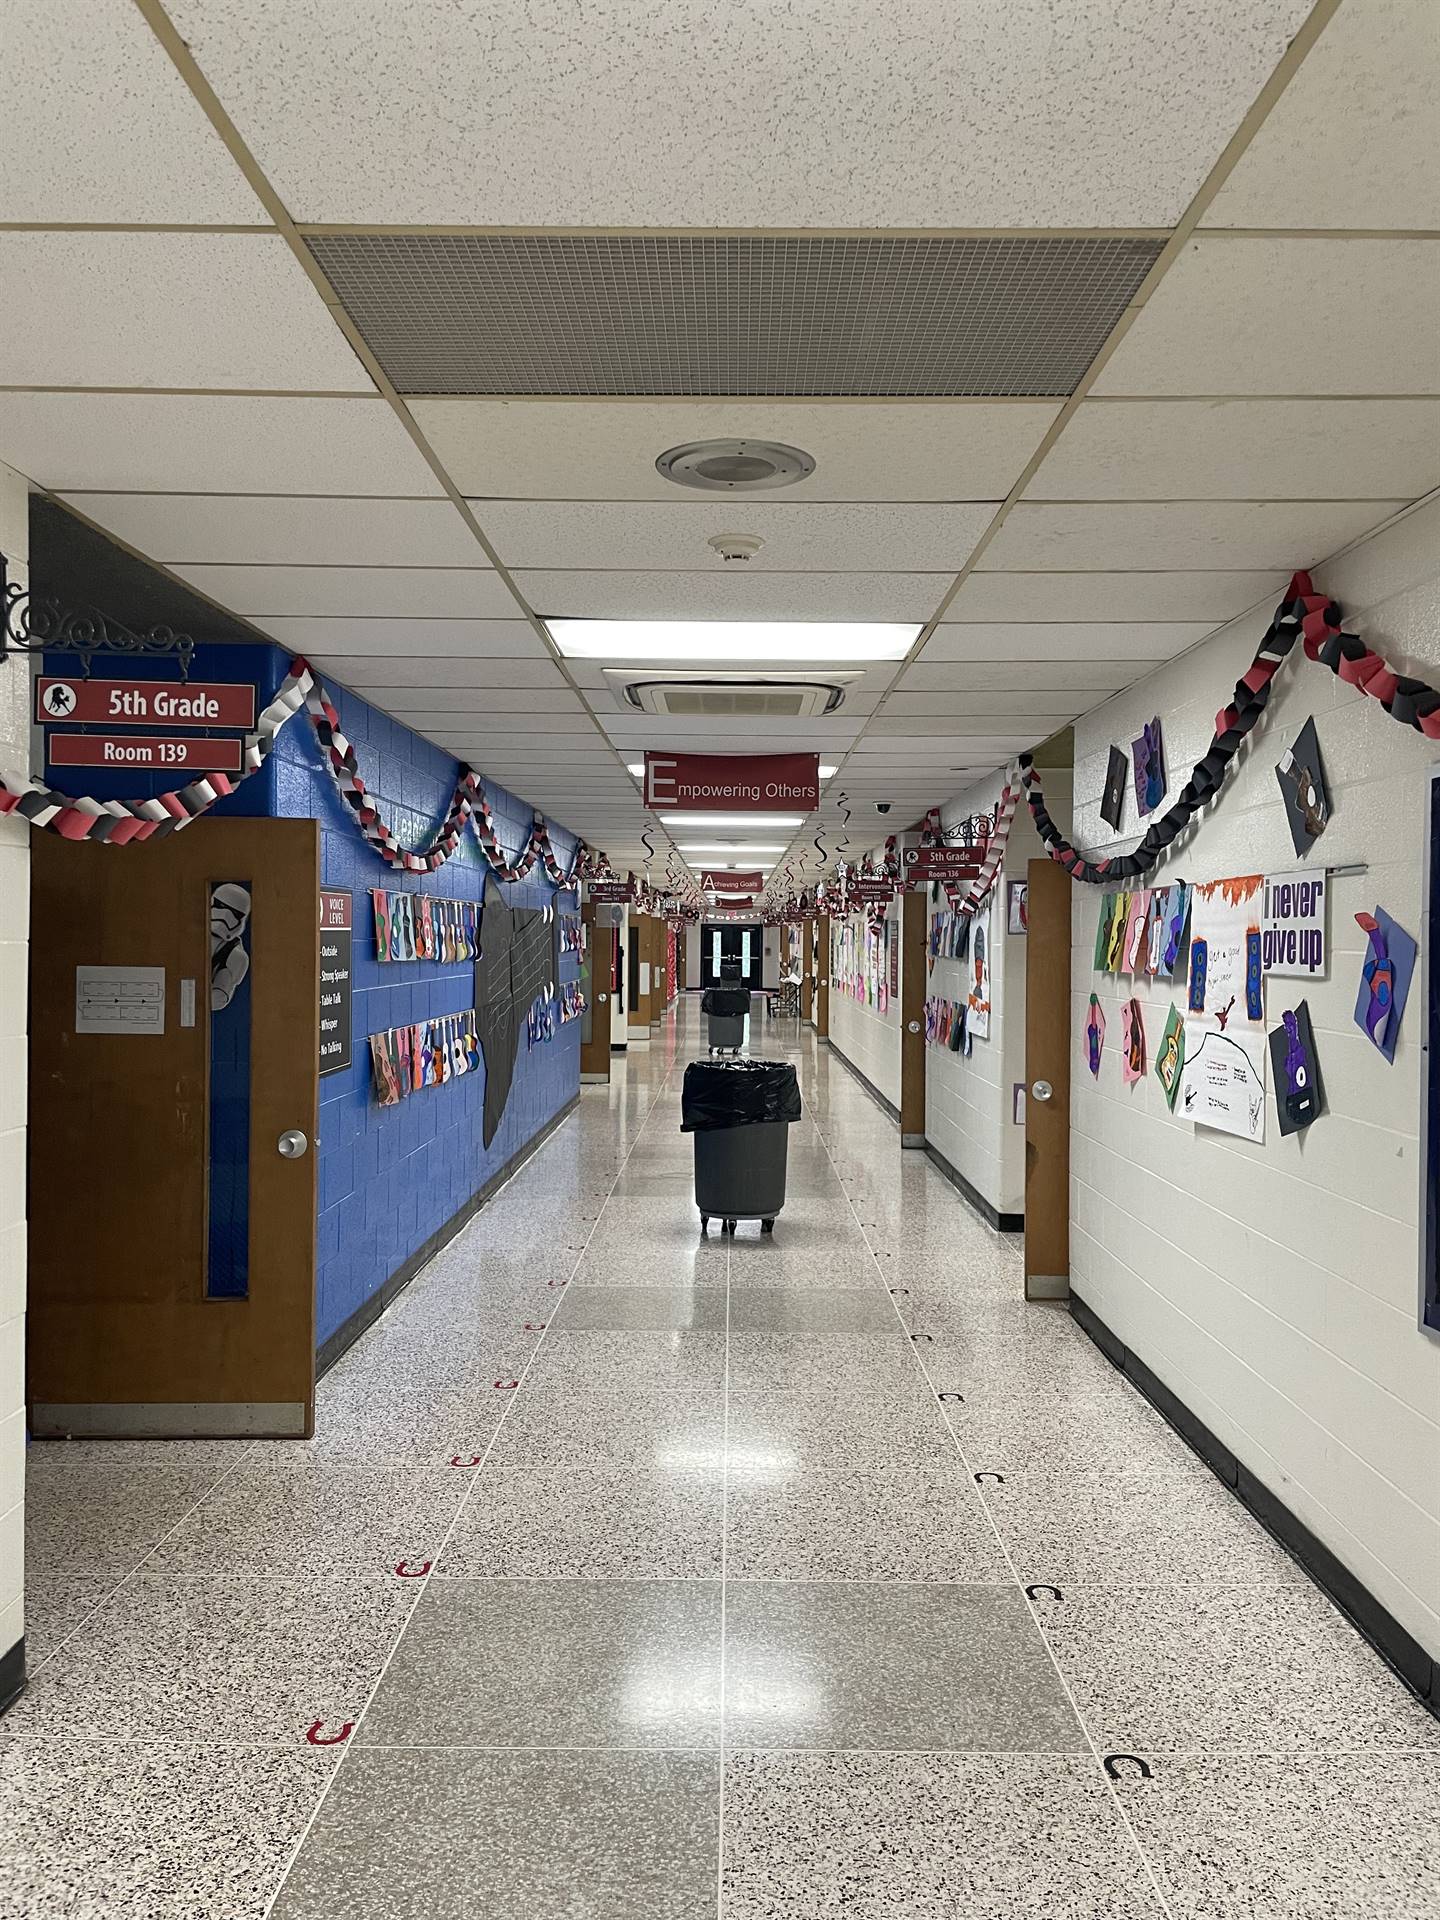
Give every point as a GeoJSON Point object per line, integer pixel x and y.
{"type": "Point", "coordinates": [704, 1225]}
{"type": "Point", "coordinates": [730, 1227]}
{"type": "Point", "coordinates": [767, 1226]}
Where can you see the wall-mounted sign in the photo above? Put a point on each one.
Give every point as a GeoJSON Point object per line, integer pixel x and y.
{"type": "Point", "coordinates": [145, 703]}
{"type": "Point", "coordinates": [1292, 926]}
{"type": "Point", "coordinates": [336, 936]}
{"type": "Point", "coordinates": [872, 886]}
{"type": "Point", "coordinates": [157, 752]}
{"type": "Point", "coordinates": [612, 891]}
{"type": "Point", "coordinates": [921, 865]}
{"type": "Point", "coordinates": [729, 880]}
{"type": "Point", "coordinates": [733, 783]}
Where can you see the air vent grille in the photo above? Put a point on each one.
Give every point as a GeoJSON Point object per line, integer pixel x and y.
{"type": "Point", "coordinates": [694, 314]}
{"type": "Point", "coordinates": [734, 699]}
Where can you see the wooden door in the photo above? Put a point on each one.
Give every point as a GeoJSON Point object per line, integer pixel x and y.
{"type": "Point", "coordinates": [596, 970]}
{"type": "Point", "coordinates": [172, 1246]}
{"type": "Point", "coordinates": [1047, 1096]}
{"type": "Point", "coordinates": [912, 931]}
{"type": "Point", "coordinates": [807, 968]}
{"type": "Point", "coordinates": [822, 977]}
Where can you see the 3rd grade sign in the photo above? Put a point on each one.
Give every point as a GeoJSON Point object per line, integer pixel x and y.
{"type": "Point", "coordinates": [733, 782]}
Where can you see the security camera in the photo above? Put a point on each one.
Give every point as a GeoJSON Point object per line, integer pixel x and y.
{"type": "Point", "coordinates": [882, 806]}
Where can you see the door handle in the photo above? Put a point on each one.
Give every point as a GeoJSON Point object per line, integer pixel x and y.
{"type": "Point", "coordinates": [1042, 1090]}
{"type": "Point", "coordinates": [601, 998]}
{"type": "Point", "coordinates": [292, 1144]}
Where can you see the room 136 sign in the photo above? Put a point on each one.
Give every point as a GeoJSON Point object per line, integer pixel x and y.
{"type": "Point", "coordinates": [1292, 926]}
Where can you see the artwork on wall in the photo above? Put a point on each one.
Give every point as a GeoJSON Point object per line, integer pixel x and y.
{"type": "Point", "coordinates": [1171, 1055]}
{"type": "Point", "coordinates": [417, 926]}
{"type": "Point", "coordinates": [1132, 1043]}
{"type": "Point", "coordinates": [1094, 1035]}
{"type": "Point", "coordinates": [1017, 906]}
{"type": "Point", "coordinates": [1299, 1097]}
{"type": "Point", "coordinates": [1112, 800]}
{"type": "Point", "coordinates": [1110, 942]}
{"type": "Point", "coordinates": [977, 1018]}
{"type": "Point", "coordinates": [945, 1026]}
{"type": "Point", "coordinates": [1170, 912]}
{"type": "Point", "coordinates": [1136, 945]}
{"type": "Point", "coordinates": [1292, 927]}
{"type": "Point", "coordinates": [1148, 755]}
{"type": "Point", "coordinates": [1302, 787]}
{"type": "Point", "coordinates": [431, 1053]}
{"type": "Point", "coordinates": [1385, 976]}
{"type": "Point", "coordinates": [1223, 1076]}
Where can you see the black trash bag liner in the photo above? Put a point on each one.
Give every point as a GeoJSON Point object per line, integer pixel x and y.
{"type": "Point", "coordinates": [738, 1093]}
{"type": "Point", "coordinates": [725, 1001]}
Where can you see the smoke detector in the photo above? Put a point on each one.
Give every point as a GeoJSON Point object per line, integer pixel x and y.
{"type": "Point", "coordinates": [735, 548]}
{"type": "Point", "coordinates": [735, 466]}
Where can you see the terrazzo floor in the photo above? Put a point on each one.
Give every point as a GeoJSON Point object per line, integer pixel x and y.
{"type": "Point", "coordinates": [636, 1577]}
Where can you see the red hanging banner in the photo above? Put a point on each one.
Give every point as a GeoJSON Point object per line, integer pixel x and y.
{"type": "Point", "coordinates": [728, 880]}
{"type": "Point", "coordinates": [161, 753]}
{"type": "Point", "coordinates": [733, 782]}
{"type": "Point", "coordinates": [144, 703]}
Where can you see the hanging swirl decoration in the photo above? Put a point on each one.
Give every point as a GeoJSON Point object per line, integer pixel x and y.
{"type": "Point", "coordinates": [116, 822]}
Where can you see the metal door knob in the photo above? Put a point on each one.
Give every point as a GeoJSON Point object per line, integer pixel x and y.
{"type": "Point", "coordinates": [1041, 1090]}
{"type": "Point", "coordinates": [292, 1144]}
{"type": "Point", "coordinates": [601, 998]}
{"type": "Point", "coordinates": [912, 1026]}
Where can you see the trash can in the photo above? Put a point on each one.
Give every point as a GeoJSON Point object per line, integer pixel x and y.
{"type": "Point", "coordinates": [725, 1008]}
{"type": "Point", "coordinates": [740, 1112]}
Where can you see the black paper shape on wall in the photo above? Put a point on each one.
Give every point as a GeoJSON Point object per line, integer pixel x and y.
{"type": "Point", "coordinates": [519, 959]}
{"type": "Point", "coordinates": [1302, 786]}
{"type": "Point", "coordinates": [1295, 1071]}
{"type": "Point", "coordinates": [1112, 801]}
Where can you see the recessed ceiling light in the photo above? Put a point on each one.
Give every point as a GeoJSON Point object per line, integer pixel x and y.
{"type": "Point", "coordinates": [735, 466]}
{"type": "Point", "coordinates": [826, 773]}
{"type": "Point", "coordinates": [757, 822]}
{"type": "Point", "coordinates": [637, 767]}
{"type": "Point", "coordinates": [719, 640]}
{"type": "Point", "coordinates": [733, 847]}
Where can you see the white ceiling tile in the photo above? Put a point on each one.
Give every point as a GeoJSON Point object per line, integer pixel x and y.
{"type": "Point", "coordinates": [1041, 640]}
{"type": "Point", "coordinates": [263, 592]}
{"type": "Point", "coordinates": [1159, 537]}
{"type": "Point", "coordinates": [177, 310]}
{"type": "Point", "coordinates": [431, 679]}
{"type": "Point", "coordinates": [520, 726]}
{"type": "Point", "coordinates": [1103, 597]}
{"type": "Point", "coordinates": [501, 701]}
{"type": "Point", "coordinates": [977, 705]}
{"type": "Point", "coordinates": [239, 528]}
{"type": "Point", "coordinates": [815, 539]}
{"type": "Point", "coordinates": [96, 124]}
{"type": "Point", "coordinates": [930, 450]}
{"type": "Point", "coordinates": [1351, 141]}
{"type": "Point", "coordinates": [1284, 314]}
{"type": "Point", "coordinates": [1244, 450]}
{"type": "Point", "coordinates": [728, 596]}
{"type": "Point", "coordinates": [198, 443]}
{"type": "Point", "coordinates": [1082, 676]}
{"type": "Point", "coordinates": [918, 747]}
{"type": "Point", "coordinates": [844, 116]}
{"type": "Point", "coordinates": [441, 643]}
{"type": "Point", "coordinates": [958, 733]}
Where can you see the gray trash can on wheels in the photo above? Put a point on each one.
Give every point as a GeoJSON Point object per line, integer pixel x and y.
{"type": "Point", "coordinates": [725, 1009]}
{"type": "Point", "coordinates": [740, 1112]}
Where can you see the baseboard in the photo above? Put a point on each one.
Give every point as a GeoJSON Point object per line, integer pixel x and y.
{"type": "Point", "coordinates": [1397, 1647]}
{"type": "Point", "coordinates": [971, 1194]}
{"type": "Point", "coordinates": [868, 1084]}
{"type": "Point", "coordinates": [370, 1310]}
{"type": "Point", "coordinates": [12, 1674]}
{"type": "Point", "coordinates": [595, 1079]}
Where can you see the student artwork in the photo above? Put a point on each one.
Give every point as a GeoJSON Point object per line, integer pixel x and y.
{"type": "Point", "coordinates": [1169, 913]}
{"type": "Point", "coordinates": [1299, 1097]}
{"type": "Point", "coordinates": [571, 1001]}
{"type": "Point", "coordinates": [1110, 932]}
{"type": "Point", "coordinates": [1292, 930]}
{"type": "Point", "coordinates": [977, 1016]}
{"type": "Point", "coordinates": [1017, 906]}
{"type": "Point", "coordinates": [413, 926]}
{"type": "Point", "coordinates": [518, 964]}
{"type": "Point", "coordinates": [1112, 800]}
{"type": "Point", "coordinates": [1132, 1043]}
{"type": "Point", "coordinates": [1223, 1077]}
{"type": "Point", "coordinates": [572, 935]}
{"type": "Point", "coordinates": [1171, 1056]}
{"type": "Point", "coordinates": [945, 1025]}
{"type": "Point", "coordinates": [1302, 787]}
{"type": "Point", "coordinates": [1094, 1035]}
{"type": "Point", "coordinates": [1136, 942]}
{"type": "Point", "coordinates": [1385, 976]}
{"type": "Point", "coordinates": [1148, 755]}
{"type": "Point", "coordinates": [406, 1060]}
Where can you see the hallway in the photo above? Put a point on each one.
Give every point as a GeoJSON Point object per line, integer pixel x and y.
{"type": "Point", "coordinates": [635, 1577]}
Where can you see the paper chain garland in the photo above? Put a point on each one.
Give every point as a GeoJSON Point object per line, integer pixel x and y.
{"type": "Point", "coordinates": [115, 822]}
{"type": "Point", "coordinates": [1303, 615]}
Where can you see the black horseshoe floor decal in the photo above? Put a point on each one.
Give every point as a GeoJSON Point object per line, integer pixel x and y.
{"type": "Point", "coordinates": [1114, 1761]}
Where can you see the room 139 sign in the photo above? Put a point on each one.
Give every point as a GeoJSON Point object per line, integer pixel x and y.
{"type": "Point", "coordinates": [1292, 929]}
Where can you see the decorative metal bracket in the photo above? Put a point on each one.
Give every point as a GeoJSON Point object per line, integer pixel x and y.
{"type": "Point", "coordinates": [36, 623]}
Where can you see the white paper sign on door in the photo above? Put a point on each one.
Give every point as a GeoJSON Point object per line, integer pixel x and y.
{"type": "Point", "coordinates": [120, 1000]}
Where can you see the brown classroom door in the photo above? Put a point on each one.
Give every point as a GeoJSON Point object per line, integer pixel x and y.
{"type": "Point", "coordinates": [595, 971]}
{"type": "Point", "coordinates": [912, 933]}
{"type": "Point", "coordinates": [1047, 1099]}
{"type": "Point", "coordinates": [147, 1316]}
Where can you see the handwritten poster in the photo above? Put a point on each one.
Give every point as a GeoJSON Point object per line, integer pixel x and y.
{"type": "Point", "coordinates": [1223, 1079]}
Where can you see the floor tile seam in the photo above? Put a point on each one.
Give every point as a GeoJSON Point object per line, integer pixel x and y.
{"type": "Point", "coordinates": [246, 1449]}
{"type": "Point", "coordinates": [724, 1584]}
{"type": "Point", "coordinates": [1110, 1786]}
{"type": "Point", "coordinates": [422, 1584]}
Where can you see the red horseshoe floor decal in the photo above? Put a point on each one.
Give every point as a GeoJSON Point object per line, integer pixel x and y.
{"type": "Point", "coordinates": [317, 1739]}
{"type": "Point", "coordinates": [407, 1572]}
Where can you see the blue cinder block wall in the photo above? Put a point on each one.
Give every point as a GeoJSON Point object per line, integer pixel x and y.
{"type": "Point", "coordinates": [389, 1177]}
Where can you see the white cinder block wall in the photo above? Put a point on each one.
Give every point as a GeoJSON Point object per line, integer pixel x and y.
{"type": "Point", "coordinates": [1274, 1287]}
{"type": "Point", "coordinates": [969, 1104]}
{"type": "Point", "coordinates": [14, 936]}
{"type": "Point", "coordinates": [868, 1039]}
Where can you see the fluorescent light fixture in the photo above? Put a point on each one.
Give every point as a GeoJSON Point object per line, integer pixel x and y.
{"type": "Point", "coordinates": [826, 773]}
{"type": "Point", "coordinates": [762, 640]}
{"type": "Point", "coordinates": [637, 767]}
{"type": "Point", "coordinates": [725, 847]}
{"type": "Point", "coordinates": [760, 821]}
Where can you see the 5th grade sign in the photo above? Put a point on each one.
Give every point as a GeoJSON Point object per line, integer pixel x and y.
{"type": "Point", "coordinates": [1292, 932]}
